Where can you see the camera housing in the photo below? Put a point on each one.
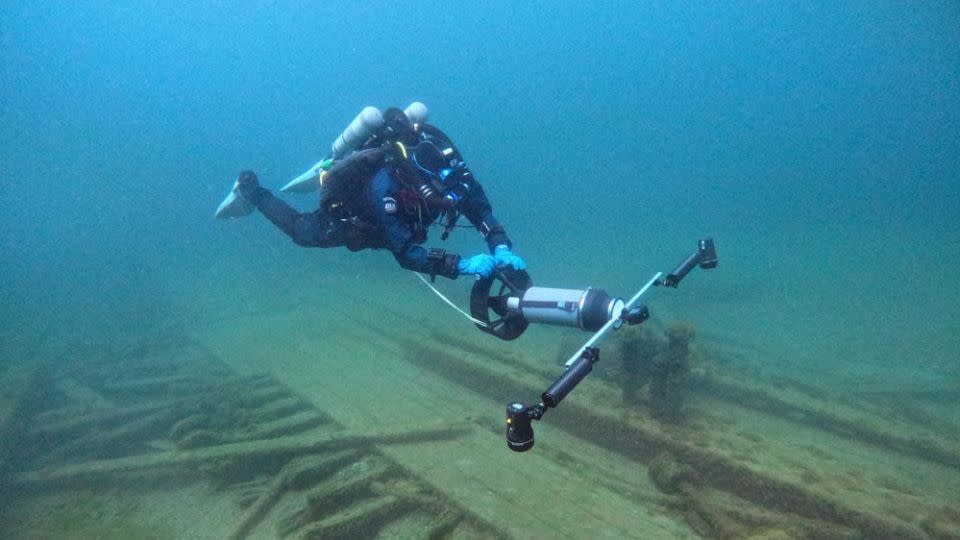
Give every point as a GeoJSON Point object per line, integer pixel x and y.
{"type": "Point", "coordinates": [705, 256]}
{"type": "Point", "coordinates": [519, 430]}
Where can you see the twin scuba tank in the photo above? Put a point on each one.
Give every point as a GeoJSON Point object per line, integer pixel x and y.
{"type": "Point", "coordinates": [361, 129]}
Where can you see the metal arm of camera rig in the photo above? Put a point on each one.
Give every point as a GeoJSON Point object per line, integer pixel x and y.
{"type": "Point", "coordinates": [520, 416]}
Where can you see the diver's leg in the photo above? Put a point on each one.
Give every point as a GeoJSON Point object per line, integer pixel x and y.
{"type": "Point", "coordinates": [313, 229]}
{"type": "Point", "coordinates": [281, 214]}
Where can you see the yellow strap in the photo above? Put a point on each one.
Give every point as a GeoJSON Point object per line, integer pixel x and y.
{"type": "Point", "coordinates": [403, 149]}
{"type": "Point", "coordinates": [323, 174]}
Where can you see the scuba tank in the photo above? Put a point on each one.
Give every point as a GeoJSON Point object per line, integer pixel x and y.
{"type": "Point", "coordinates": [416, 112]}
{"type": "Point", "coordinates": [363, 126]}
{"type": "Point", "coordinates": [366, 124]}
{"type": "Point", "coordinates": [359, 130]}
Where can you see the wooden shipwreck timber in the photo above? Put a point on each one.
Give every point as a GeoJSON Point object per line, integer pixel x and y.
{"type": "Point", "coordinates": [138, 420]}
{"type": "Point", "coordinates": [667, 439]}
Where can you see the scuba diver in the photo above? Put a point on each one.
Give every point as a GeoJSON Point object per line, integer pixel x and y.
{"type": "Point", "coordinates": [389, 177]}
{"type": "Point", "coordinates": [400, 177]}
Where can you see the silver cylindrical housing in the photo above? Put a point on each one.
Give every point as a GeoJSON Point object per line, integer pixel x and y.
{"type": "Point", "coordinates": [588, 309]}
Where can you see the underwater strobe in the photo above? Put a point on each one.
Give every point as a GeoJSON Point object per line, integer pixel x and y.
{"type": "Point", "coordinates": [518, 303]}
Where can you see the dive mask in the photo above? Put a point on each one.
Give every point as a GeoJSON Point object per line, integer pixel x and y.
{"type": "Point", "coordinates": [431, 162]}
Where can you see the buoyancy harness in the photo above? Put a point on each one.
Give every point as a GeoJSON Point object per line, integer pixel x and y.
{"type": "Point", "coordinates": [434, 181]}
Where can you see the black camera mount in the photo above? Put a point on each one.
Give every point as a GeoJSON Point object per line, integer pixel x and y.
{"type": "Point", "coordinates": [705, 256]}
{"type": "Point", "coordinates": [519, 416]}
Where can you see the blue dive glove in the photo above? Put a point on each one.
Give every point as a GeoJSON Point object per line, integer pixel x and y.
{"type": "Point", "coordinates": [505, 257]}
{"type": "Point", "coordinates": [481, 265]}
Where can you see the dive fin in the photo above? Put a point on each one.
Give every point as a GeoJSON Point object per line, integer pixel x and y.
{"type": "Point", "coordinates": [234, 205]}
{"type": "Point", "coordinates": [306, 182]}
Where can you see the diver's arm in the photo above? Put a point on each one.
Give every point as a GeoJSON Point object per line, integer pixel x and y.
{"type": "Point", "coordinates": [474, 204]}
{"type": "Point", "coordinates": [476, 208]}
{"type": "Point", "coordinates": [435, 262]}
{"type": "Point", "coordinates": [412, 256]}
{"type": "Point", "coordinates": [306, 229]}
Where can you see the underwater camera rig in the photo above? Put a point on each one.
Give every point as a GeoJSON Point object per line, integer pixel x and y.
{"type": "Point", "coordinates": [517, 303]}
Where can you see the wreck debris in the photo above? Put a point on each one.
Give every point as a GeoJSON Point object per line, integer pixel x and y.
{"type": "Point", "coordinates": [637, 351]}
{"type": "Point", "coordinates": [118, 423]}
{"type": "Point", "coordinates": [291, 471]}
{"type": "Point", "coordinates": [220, 457]}
{"type": "Point", "coordinates": [297, 474]}
{"type": "Point", "coordinates": [670, 369]}
{"type": "Point", "coordinates": [714, 470]}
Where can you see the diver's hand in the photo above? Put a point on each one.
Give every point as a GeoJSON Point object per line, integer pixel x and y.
{"type": "Point", "coordinates": [479, 265]}
{"type": "Point", "coordinates": [505, 257]}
